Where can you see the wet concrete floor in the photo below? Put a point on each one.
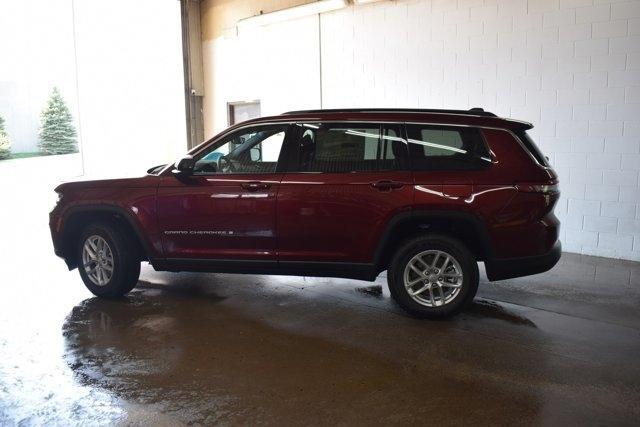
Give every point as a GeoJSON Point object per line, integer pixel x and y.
{"type": "Point", "coordinates": [231, 349]}
{"type": "Point", "coordinates": [557, 348]}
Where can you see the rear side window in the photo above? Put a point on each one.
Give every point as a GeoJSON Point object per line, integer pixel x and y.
{"type": "Point", "coordinates": [532, 147]}
{"type": "Point", "coordinates": [340, 148]}
{"type": "Point", "coordinates": [446, 147]}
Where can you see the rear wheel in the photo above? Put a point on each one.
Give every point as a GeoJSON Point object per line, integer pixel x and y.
{"type": "Point", "coordinates": [108, 261]}
{"type": "Point", "coordinates": [433, 276]}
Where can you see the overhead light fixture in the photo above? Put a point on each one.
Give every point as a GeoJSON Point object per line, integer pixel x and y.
{"type": "Point", "coordinates": [313, 8]}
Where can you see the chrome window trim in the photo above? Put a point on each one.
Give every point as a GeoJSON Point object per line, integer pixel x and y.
{"type": "Point", "coordinates": [524, 147]}
{"type": "Point", "coordinates": [199, 148]}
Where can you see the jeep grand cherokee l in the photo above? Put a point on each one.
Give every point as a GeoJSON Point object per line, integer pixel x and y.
{"type": "Point", "coordinates": [423, 194]}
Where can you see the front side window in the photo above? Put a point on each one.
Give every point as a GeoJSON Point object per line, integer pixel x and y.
{"type": "Point", "coordinates": [438, 148]}
{"type": "Point", "coordinates": [340, 148]}
{"type": "Point", "coordinates": [253, 150]}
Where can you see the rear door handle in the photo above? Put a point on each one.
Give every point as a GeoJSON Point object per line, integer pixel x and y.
{"type": "Point", "coordinates": [255, 185]}
{"type": "Point", "coordinates": [387, 185]}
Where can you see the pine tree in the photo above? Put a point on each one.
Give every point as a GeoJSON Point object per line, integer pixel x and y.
{"type": "Point", "coordinates": [57, 133]}
{"type": "Point", "coordinates": [5, 142]}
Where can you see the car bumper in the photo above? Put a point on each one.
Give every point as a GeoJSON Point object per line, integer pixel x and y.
{"type": "Point", "coordinates": [54, 228]}
{"type": "Point", "coordinates": [500, 269]}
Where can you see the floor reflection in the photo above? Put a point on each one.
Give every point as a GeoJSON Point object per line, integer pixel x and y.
{"type": "Point", "coordinates": [485, 308]}
{"type": "Point", "coordinates": [231, 349]}
{"type": "Point", "coordinates": [195, 360]}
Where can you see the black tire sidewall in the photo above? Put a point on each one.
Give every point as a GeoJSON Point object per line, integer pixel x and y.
{"type": "Point", "coordinates": [126, 265]}
{"type": "Point", "coordinates": [433, 242]}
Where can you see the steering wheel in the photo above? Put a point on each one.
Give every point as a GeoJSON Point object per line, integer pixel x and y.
{"type": "Point", "coordinates": [225, 164]}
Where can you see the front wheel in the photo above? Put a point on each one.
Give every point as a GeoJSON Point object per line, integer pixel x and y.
{"type": "Point", "coordinates": [108, 263]}
{"type": "Point", "coordinates": [433, 276]}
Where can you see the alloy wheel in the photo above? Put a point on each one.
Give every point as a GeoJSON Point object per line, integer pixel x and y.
{"type": "Point", "coordinates": [433, 278]}
{"type": "Point", "coordinates": [97, 260]}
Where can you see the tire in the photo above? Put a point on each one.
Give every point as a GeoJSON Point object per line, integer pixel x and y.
{"type": "Point", "coordinates": [124, 263]}
{"type": "Point", "coordinates": [421, 252]}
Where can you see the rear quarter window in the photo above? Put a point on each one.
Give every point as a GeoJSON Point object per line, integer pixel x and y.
{"type": "Point", "coordinates": [446, 148]}
{"type": "Point", "coordinates": [531, 147]}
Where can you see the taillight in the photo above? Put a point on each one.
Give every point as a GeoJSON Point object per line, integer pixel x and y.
{"type": "Point", "coordinates": [538, 188]}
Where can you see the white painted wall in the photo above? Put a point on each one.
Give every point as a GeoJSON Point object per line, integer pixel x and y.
{"type": "Point", "coordinates": [130, 85]}
{"type": "Point", "coordinates": [572, 67]}
{"type": "Point", "coordinates": [277, 64]}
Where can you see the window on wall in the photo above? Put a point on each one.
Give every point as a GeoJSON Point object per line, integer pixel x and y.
{"type": "Point", "coordinates": [438, 147]}
{"type": "Point", "coordinates": [253, 150]}
{"type": "Point", "coordinates": [242, 111]}
{"type": "Point", "coordinates": [339, 148]}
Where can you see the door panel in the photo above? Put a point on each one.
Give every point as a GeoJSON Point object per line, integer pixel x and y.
{"type": "Point", "coordinates": [348, 181]}
{"type": "Point", "coordinates": [219, 216]}
{"type": "Point", "coordinates": [336, 217]}
{"type": "Point", "coordinates": [227, 208]}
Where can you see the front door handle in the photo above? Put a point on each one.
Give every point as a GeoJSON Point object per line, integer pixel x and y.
{"type": "Point", "coordinates": [387, 185]}
{"type": "Point", "coordinates": [255, 185]}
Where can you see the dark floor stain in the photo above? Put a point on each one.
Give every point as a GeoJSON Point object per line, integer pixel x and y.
{"type": "Point", "coordinates": [374, 291]}
{"type": "Point", "coordinates": [486, 308]}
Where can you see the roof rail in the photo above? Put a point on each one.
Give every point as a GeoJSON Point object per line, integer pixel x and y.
{"type": "Point", "coordinates": [472, 112]}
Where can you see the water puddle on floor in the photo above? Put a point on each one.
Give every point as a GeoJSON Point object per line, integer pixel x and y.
{"type": "Point", "coordinates": [37, 386]}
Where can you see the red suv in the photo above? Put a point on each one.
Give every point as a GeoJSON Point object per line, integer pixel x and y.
{"type": "Point", "coordinates": [423, 194]}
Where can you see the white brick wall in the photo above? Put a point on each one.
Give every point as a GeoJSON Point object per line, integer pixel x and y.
{"type": "Point", "coordinates": [572, 67]}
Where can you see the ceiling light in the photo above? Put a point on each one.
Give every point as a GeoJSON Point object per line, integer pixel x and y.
{"type": "Point", "coordinates": [292, 13]}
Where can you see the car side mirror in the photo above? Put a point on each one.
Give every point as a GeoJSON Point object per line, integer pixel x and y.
{"type": "Point", "coordinates": [184, 166]}
{"type": "Point", "coordinates": [154, 170]}
{"type": "Point", "coordinates": [255, 154]}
